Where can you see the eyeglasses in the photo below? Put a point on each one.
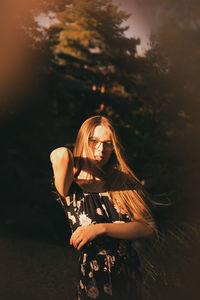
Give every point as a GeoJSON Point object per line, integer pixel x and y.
{"type": "Point", "coordinates": [94, 143]}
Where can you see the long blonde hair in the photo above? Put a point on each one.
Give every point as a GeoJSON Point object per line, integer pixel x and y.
{"type": "Point", "coordinates": [124, 189]}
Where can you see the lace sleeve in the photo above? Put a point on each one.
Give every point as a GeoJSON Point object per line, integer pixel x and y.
{"type": "Point", "coordinates": [63, 200]}
{"type": "Point", "coordinates": [56, 194]}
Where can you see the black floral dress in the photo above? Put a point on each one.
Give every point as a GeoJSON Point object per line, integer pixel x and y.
{"type": "Point", "coordinates": [108, 267]}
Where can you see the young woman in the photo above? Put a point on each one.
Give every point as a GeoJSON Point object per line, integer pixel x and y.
{"type": "Point", "coordinates": [106, 207]}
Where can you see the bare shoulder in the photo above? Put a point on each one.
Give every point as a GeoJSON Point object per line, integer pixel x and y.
{"type": "Point", "coordinates": [60, 153]}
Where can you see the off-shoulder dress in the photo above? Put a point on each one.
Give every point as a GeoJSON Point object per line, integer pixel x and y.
{"type": "Point", "coordinates": [108, 267]}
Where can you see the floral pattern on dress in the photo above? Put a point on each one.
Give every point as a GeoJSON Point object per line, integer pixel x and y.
{"type": "Point", "coordinates": [107, 266]}
{"type": "Point", "coordinates": [99, 211]}
{"type": "Point", "coordinates": [107, 288]}
{"type": "Point", "coordinates": [84, 220]}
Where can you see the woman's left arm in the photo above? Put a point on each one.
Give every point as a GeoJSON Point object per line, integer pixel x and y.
{"type": "Point", "coordinates": [131, 230]}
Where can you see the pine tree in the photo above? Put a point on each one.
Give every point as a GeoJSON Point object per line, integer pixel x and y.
{"type": "Point", "coordinates": [93, 46]}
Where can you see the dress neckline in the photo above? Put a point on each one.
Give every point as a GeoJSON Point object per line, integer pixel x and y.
{"type": "Point", "coordinates": [89, 192]}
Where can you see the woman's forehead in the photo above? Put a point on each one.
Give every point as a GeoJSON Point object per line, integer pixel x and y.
{"type": "Point", "coordinates": [101, 132]}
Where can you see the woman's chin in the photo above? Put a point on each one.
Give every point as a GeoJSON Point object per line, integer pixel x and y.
{"type": "Point", "coordinates": [99, 162]}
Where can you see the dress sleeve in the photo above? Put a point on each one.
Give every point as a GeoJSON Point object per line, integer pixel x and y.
{"type": "Point", "coordinates": [58, 196]}
{"type": "Point", "coordinates": [55, 192]}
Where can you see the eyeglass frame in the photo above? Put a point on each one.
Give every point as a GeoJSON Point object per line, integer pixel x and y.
{"type": "Point", "coordinates": [106, 144]}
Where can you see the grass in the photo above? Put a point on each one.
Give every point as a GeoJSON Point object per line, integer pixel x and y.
{"type": "Point", "coordinates": [171, 263]}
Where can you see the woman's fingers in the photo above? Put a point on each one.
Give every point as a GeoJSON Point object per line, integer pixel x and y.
{"type": "Point", "coordinates": [82, 235]}
{"type": "Point", "coordinates": [77, 241]}
{"type": "Point", "coordinates": [71, 240]}
{"type": "Point", "coordinates": [74, 236]}
{"type": "Point", "coordinates": [81, 244]}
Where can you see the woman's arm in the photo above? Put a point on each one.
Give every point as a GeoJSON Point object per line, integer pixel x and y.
{"type": "Point", "coordinates": [62, 164]}
{"type": "Point", "coordinates": [129, 231]}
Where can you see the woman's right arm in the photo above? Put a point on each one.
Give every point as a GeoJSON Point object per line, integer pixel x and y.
{"type": "Point", "coordinates": [62, 164]}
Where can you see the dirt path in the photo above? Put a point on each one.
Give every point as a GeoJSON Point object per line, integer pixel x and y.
{"type": "Point", "coordinates": [36, 270]}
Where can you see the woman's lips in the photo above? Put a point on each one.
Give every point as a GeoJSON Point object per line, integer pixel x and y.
{"type": "Point", "coordinates": [98, 157]}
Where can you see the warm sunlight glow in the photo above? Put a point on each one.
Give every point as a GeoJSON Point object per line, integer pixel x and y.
{"type": "Point", "coordinates": [94, 88]}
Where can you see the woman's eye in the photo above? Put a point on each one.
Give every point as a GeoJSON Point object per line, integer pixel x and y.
{"type": "Point", "coordinates": [94, 141]}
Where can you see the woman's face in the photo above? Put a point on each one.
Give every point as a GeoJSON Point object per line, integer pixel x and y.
{"type": "Point", "coordinates": [100, 143]}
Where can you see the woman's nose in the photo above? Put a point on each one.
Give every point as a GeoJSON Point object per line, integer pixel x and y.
{"type": "Point", "coordinates": [100, 146]}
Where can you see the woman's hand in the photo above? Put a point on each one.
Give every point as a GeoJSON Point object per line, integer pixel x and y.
{"type": "Point", "coordinates": [85, 234]}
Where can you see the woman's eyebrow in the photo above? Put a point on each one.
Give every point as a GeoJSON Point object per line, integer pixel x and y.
{"type": "Point", "coordinates": [95, 137]}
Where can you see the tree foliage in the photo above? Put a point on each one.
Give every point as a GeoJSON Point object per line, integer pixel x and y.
{"type": "Point", "coordinates": [176, 40]}
{"type": "Point", "coordinates": [84, 64]}
{"type": "Point", "coordinates": [175, 53]}
{"type": "Point", "coordinates": [93, 47]}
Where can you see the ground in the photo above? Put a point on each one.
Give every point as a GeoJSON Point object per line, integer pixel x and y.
{"type": "Point", "coordinates": [36, 270]}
